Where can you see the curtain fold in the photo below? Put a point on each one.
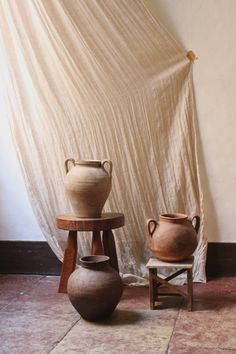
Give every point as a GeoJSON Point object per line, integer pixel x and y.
{"type": "Point", "coordinates": [102, 79]}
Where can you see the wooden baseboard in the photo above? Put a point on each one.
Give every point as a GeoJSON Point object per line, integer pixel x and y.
{"type": "Point", "coordinates": [28, 257]}
{"type": "Point", "coordinates": [33, 257]}
{"type": "Point", "coordinates": [221, 259]}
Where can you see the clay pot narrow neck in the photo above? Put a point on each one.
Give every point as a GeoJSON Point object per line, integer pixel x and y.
{"type": "Point", "coordinates": [90, 163]}
{"type": "Point", "coordinates": [173, 218]}
{"type": "Point", "coordinates": [94, 262]}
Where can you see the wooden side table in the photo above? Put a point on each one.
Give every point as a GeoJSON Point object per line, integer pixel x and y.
{"type": "Point", "coordinates": [156, 281]}
{"type": "Point", "coordinates": [103, 246]}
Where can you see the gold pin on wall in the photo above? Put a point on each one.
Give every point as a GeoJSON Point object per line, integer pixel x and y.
{"type": "Point", "coordinates": [191, 56]}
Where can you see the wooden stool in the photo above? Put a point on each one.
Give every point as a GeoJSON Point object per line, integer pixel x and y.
{"type": "Point", "coordinates": [105, 246]}
{"type": "Point", "coordinates": [156, 281]}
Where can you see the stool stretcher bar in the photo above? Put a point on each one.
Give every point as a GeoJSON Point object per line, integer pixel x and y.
{"type": "Point", "coordinates": [155, 281]}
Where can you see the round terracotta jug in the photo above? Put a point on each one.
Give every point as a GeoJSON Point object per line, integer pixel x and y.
{"type": "Point", "coordinates": [88, 185]}
{"type": "Point", "coordinates": [95, 288]}
{"type": "Point", "coordinates": [173, 237]}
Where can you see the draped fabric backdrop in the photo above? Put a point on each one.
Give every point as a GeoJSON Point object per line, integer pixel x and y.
{"type": "Point", "coordinates": [95, 79]}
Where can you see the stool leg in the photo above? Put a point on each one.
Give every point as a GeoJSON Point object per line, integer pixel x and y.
{"type": "Point", "coordinates": [152, 288]}
{"type": "Point", "coordinates": [190, 289]}
{"type": "Point", "coordinates": [96, 244]}
{"type": "Point", "coordinates": [110, 248]}
{"type": "Point", "coordinates": [69, 261]}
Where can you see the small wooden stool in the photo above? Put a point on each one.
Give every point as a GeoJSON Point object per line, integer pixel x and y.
{"type": "Point", "coordinates": [156, 281]}
{"type": "Point", "coordinates": [105, 246]}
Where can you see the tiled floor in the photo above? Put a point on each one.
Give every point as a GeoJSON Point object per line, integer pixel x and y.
{"type": "Point", "coordinates": [34, 318]}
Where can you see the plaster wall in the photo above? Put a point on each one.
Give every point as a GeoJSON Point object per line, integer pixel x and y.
{"type": "Point", "coordinates": [17, 221]}
{"type": "Point", "coordinates": [209, 29]}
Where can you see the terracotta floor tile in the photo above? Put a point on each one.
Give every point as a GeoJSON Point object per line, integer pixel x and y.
{"type": "Point", "coordinates": [56, 306]}
{"type": "Point", "coordinates": [227, 307]}
{"type": "Point", "coordinates": [208, 329]}
{"type": "Point", "coordinates": [30, 333]}
{"type": "Point", "coordinates": [7, 297]}
{"type": "Point", "coordinates": [227, 332]}
{"type": "Point", "coordinates": [217, 287]}
{"type": "Point", "coordinates": [46, 286]}
{"type": "Point", "coordinates": [11, 286]}
{"type": "Point", "coordinates": [141, 299]}
{"type": "Point", "coordinates": [125, 332]}
{"type": "Point", "coordinates": [18, 282]}
{"type": "Point", "coordinates": [42, 298]}
{"type": "Point", "coordinates": [35, 318]}
{"type": "Point", "coordinates": [198, 350]}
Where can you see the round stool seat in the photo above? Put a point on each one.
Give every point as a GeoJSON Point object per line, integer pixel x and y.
{"type": "Point", "coordinates": [108, 221]}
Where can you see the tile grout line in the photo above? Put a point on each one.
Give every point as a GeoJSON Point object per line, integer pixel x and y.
{"type": "Point", "coordinates": [180, 307]}
{"type": "Point", "coordinates": [63, 336]}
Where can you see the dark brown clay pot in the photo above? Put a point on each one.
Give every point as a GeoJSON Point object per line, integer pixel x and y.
{"type": "Point", "coordinates": [174, 237]}
{"type": "Point", "coordinates": [95, 288]}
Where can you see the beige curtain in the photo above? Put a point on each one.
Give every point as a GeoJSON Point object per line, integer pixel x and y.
{"type": "Point", "coordinates": [95, 79]}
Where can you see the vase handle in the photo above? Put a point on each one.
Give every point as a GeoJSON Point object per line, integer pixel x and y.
{"type": "Point", "coordinates": [151, 226]}
{"type": "Point", "coordinates": [67, 162]}
{"type": "Point", "coordinates": [104, 162]}
{"type": "Point", "coordinates": [197, 223]}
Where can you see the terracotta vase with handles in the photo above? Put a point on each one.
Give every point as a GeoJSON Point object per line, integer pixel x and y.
{"type": "Point", "coordinates": [95, 288]}
{"type": "Point", "coordinates": [88, 184]}
{"type": "Point", "coordinates": [173, 237]}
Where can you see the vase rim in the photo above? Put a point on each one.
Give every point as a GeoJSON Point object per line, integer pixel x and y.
{"type": "Point", "coordinates": [96, 163]}
{"type": "Point", "coordinates": [173, 216]}
{"type": "Point", "coordinates": [96, 259]}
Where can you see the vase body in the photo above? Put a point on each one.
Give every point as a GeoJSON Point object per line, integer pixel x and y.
{"type": "Point", "coordinates": [95, 288]}
{"type": "Point", "coordinates": [88, 185]}
{"type": "Point", "coordinates": [173, 237]}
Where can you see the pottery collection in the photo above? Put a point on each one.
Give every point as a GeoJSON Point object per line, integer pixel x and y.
{"type": "Point", "coordinates": [173, 237]}
{"type": "Point", "coordinates": [88, 184]}
{"type": "Point", "coordinates": [95, 288]}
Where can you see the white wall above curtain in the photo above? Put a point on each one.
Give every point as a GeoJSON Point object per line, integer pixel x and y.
{"type": "Point", "coordinates": [94, 80]}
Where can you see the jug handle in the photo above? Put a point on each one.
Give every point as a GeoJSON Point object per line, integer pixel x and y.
{"type": "Point", "coordinates": [66, 164]}
{"type": "Point", "coordinates": [104, 162]}
{"type": "Point", "coordinates": [151, 229]}
{"type": "Point", "coordinates": [197, 223]}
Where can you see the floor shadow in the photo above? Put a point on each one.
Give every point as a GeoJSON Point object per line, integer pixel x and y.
{"type": "Point", "coordinates": [215, 302]}
{"type": "Point", "coordinates": [169, 303]}
{"type": "Point", "coordinates": [123, 317]}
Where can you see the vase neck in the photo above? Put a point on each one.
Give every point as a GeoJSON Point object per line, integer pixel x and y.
{"type": "Point", "coordinates": [91, 163]}
{"type": "Point", "coordinates": [173, 218]}
{"type": "Point", "coordinates": [94, 262]}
